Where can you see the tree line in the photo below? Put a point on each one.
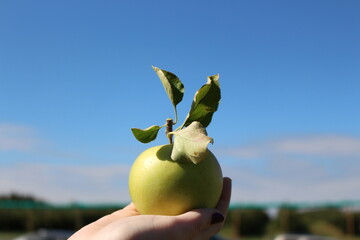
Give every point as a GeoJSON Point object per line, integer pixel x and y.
{"type": "Point", "coordinates": [327, 221]}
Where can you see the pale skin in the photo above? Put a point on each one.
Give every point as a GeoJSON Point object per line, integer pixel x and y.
{"type": "Point", "coordinates": [128, 224]}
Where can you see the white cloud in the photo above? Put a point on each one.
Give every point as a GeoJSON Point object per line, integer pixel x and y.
{"type": "Point", "coordinates": [289, 170]}
{"type": "Point", "coordinates": [63, 182]}
{"type": "Point", "coordinates": [326, 146]}
{"type": "Point", "coordinates": [321, 145]}
{"type": "Point", "coordinates": [67, 183]}
{"type": "Point", "coordinates": [108, 183]}
{"type": "Point", "coordinates": [17, 137]}
{"type": "Point", "coordinates": [250, 187]}
{"type": "Point", "coordinates": [312, 168]}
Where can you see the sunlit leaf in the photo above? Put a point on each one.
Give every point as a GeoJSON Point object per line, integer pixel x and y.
{"type": "Point", "coordinates": [205, 103]}
{"type": "Point", "coordinates": [190, 143]}
{"type": "Point", "coordinates": [172, 84]}
{"type": "Point", "coordinates": [146, 135]}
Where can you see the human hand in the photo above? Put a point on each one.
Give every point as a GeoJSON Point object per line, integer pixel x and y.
{"type": "Point", "coordinates": [128, 224]}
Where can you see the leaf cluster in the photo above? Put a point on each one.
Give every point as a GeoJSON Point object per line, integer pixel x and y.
{"type": "Point", "coordinates": [205, 103]}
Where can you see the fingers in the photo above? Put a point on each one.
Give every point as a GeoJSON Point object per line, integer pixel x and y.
{"type": "Point", "coordinates": [222, 207]}
{"type": "Point", "coordinates": [127, 211]}
{"type": "Point", "coordinates": [224, 200]}
{"type": "Point", "coordinates": [205, 223]}
{"type": "Point", "coordinates": [130, 206]}
{"type": "Point", "coordinates": [131, 209]}
{"type": "Point", "coordinates": [191, 224]}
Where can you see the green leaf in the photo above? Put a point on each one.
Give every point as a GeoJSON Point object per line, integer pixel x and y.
{"type": "Point", "coordinates": [205, 103]}
{"type": "Point", "coordinates": [146, 135]}
{"type": "Point", "coordinates": [172, 84]}
{"type": "Point", "coordinates": [190, 143]}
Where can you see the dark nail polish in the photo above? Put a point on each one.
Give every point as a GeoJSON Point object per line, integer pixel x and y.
{"type": "Point", "coordinates": [217, 218]}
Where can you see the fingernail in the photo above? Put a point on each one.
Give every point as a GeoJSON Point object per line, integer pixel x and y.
{"type": "Point", "coordinates": [217, 218]}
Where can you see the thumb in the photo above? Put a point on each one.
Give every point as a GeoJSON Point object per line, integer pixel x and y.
{"type": "Point", "coordinates": [193, 223]}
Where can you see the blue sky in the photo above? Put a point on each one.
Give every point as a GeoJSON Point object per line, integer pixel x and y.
{"type": "Point", "coordinates": [75, 76]}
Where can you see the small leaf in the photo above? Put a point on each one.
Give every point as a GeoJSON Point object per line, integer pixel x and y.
{"type": "Point", "coordinates": [146, 135]}
{"type": "Point", "coordinates": [190, 143]}
{"type": "Point", "coordinates": [172, 84]}
{"type": "Point", "coordinates": [205, 103]}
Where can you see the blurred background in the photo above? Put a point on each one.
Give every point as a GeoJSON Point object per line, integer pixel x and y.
{"type": "Point", "coordinates": [75, 76]}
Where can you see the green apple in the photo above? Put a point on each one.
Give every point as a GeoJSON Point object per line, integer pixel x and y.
{"type": "Point", "coordinates": [159, 185]}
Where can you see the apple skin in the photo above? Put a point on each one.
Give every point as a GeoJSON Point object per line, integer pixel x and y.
{"type": "Point", "coordinates": [158, 185]}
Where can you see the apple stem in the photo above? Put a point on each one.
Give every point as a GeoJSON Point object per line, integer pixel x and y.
{"type": "Point", "coordinates": [169, 128]}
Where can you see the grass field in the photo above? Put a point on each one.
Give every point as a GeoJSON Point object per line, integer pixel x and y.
{"type": "Point", "coordinates": [12, 235]}
{"type": "Point", "coordinates": [226, 233]}
{"type": "Point", "coordinates": [9, 235]}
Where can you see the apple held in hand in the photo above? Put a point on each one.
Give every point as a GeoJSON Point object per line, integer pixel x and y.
{"type": "Point", "coordinates": [183, 175]}
{"type": "Point", "coordinates": [162, 186]}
